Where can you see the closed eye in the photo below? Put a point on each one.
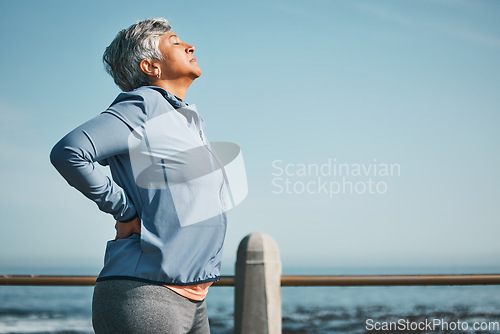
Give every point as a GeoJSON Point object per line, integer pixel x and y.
{"type": "Point", "coordinates": [174, 39]}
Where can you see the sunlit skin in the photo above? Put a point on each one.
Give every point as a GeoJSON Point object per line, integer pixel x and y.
{"type": "Point", "coordinates": [176, 73]}
{"type": "Point", "coordinates": [177, 70]}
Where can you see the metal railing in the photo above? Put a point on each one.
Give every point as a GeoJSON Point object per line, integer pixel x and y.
{"type": "Point", "coordinates": [322, 280]}
{"type": "Point", "coordinates": [258, 281]}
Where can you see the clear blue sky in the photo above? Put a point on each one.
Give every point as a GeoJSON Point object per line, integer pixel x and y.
{"type": "Point", "coordinates": [366, 83]}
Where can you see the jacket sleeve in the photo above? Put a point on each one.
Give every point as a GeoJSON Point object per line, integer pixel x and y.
{"type": "Point", "coordinates": [104, 136]}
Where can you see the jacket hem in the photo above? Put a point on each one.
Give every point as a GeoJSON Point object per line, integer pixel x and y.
{"type": "Point", "coordinates": [145, 280]}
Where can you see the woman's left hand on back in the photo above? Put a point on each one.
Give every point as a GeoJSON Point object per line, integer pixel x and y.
{"type": "Point", "coordinates": [125, 230]}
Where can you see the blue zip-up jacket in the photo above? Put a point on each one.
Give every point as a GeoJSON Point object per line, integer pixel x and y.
{"type": "Point", "coordinates": [164, 172]}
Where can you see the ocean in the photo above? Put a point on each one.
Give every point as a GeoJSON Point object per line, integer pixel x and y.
{"type": "Point", "coordinates": [319, 310]}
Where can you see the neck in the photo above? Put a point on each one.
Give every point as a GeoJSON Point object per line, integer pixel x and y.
{"type": "Point", "coordinates": [177, 87]}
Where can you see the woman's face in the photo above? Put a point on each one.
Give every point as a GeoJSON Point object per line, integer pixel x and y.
{"type": "Point", "coordinates": [179, 60]}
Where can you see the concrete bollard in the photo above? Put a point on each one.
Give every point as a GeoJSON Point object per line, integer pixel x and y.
{"type": "Point", "coordinates": [257, 308]}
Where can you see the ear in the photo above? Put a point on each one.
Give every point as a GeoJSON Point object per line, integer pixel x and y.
{"type": "Point", "coordinates": [149, 67]}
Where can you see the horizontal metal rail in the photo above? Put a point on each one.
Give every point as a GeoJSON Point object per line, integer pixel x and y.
{"type": "Point", "coordinates": [357, 280]}
{"type": "Point", "coordinates": [388, 280]}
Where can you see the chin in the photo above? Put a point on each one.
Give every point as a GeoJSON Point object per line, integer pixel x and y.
{"type": "Point", "coordinates": [196, 74]}
{"type": "Point", "coordinates": [197, 70]}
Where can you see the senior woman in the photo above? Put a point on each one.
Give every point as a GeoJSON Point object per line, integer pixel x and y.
{"type": "Point", "coordinates": [167, 193]}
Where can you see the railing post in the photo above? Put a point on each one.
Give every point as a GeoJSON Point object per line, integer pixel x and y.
{"type": "Point", "coordinates": [257, 286]}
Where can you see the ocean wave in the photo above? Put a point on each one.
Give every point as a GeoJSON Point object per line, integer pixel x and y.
{"type": "Point", "coordinates": [37, 325]}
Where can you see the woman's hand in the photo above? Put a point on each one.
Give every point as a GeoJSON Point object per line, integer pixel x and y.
{"type": "Point", "coordinates": [125, 230]}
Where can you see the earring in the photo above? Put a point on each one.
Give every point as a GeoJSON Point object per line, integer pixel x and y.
{"type": "Point", "coordinates": [158, 75]}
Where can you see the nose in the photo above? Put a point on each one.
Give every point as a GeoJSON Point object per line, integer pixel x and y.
{"type": "Point", "coordinates": [189, 48]}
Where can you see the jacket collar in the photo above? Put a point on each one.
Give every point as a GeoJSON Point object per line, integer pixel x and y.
{"type": "Point", "coordinates": [171, 98]}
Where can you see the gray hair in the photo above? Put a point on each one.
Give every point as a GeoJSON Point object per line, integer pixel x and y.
{"type": "Point", "coordinates": [123, 56]}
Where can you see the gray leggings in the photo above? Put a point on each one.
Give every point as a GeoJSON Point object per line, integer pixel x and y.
{"type": "Point", "coordinates": [126, 306]}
